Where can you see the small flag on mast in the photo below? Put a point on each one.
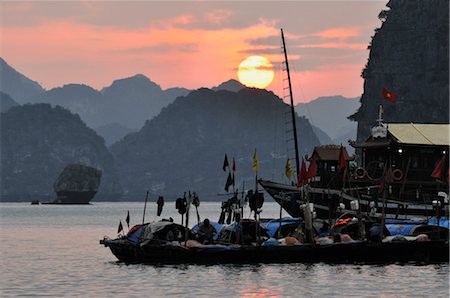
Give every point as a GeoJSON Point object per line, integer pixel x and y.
{"type": "Point", "coordinates": [225, 163]}
{"type": "Point", "coordinates": [342, 163]}
{"type": "Point", "coordinates": [289, 171]}
{"type": "Point", "coordinates": [234, 165]}
{"type": "Point", "coordinates": [439, 169]}
{"type": "Point", "coordinates": [120, 229]}
{"type": "Point", "coordinates": [127, 220]}
{"type": "Point", "coordinates": [312, 169]}
{"type": "Point", "coordinates": [301, 179]}
{"type": "Point", "coordinates": [229, 182]}
{"type": "Point", "coordinates": [255, 162]}
{"type": "Point", "coordinates": [390, 96]}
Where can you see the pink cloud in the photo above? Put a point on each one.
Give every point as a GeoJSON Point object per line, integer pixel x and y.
{"type": "Point", "coordinates": [110, 53]}
{"type": "Point", "coordinates": [60, 52]}
{"type": "Point", "coordinates": [336, 45]}
{"type": "Point", "coordinates": [341, 33]}
{"type": "Point", "coordinates": [218, 16]}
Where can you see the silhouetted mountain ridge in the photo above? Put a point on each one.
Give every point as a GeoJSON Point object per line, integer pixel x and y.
{"type": "Point", "coordinates": [6, 102]}
{"type": "Point", "coordinates": [183, 147]}
{"type": "Point", "coordinates": [16, 85]}
{"type": "Point", "coordinates": [127, 102]}
{"type": "Point", "coordinates": [230, 85]}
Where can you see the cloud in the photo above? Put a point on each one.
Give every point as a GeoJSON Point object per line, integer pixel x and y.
{"type": "Point", "coordinates": [173, 55]}
{"type": "Point", "coordinates": [218, 17]}
{"type": "Point", "coordinates": [335, 45]}
{"type": "Point", "coordinates": [341, 33]}
{"type": "Point", "coordinates": [182, 20]}
{"type": "Point", "coordinates": [189, 44]}
{"type": "Point", "coordinates": [164, 48]}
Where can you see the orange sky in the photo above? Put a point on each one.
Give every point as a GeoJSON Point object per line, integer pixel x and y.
{"type": "Point", "coordinates": [190, 44]}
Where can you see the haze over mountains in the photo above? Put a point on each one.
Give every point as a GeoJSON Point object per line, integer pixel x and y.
{"type": "Point", "coordinates": [329, 115]}
{"type": "Point", "coordinates": [126, 104]}
{"type": "Point", "coordinates": [6, 102]}
{"type": "Point", "coordinates": [173, 140]}
{"type": "Point", "coordinates": [16, 85]}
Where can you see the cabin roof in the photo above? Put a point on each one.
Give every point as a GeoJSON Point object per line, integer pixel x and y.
{"type": "Point", "coordinates": [329, 152]}
{"type": "Point", "coordinates": [420, 134]}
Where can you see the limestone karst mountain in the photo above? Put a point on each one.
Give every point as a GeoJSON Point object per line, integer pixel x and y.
{"type": "Point", "coordinates": [183, 147]}
{"type": "Point", "coordinates": [17, 85]}
{"type": "Point", "coordinates": [409, 56]}
{"type": "Point", "coordinates": [38, 141]}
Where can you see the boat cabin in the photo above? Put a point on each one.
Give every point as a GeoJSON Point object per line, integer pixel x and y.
{"type": "Point", "coordinates": [327, 159]}
{"type": "Point", "coordinates": [405, 155]}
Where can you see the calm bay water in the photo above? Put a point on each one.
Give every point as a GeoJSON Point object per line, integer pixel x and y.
{"type": "Point", "coordinates": [50, 250]}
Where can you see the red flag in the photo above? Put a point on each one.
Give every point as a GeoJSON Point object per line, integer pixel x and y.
{"type": "Point", "coordinates": [234, 165]}
{"type": "Point", "coordinates": [341, 163]}
{"type": "Point", "coordinates": [381, 187]}
{"type": "Point", "coordinates": [390, 96]}
{"type": "Point", "coordinates": [312, 169]}
{"type": "Point", "coordinates": [302, 176]}
{"type": "Point", "coordinates": [438, 170]}
{"type": "Point", "coordinates": [387, 178]}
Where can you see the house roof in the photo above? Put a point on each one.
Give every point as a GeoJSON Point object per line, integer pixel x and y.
{"type": "Point", "coordinates": [420, 134]}
{"type": "Point", "coordinates": [329, 152]}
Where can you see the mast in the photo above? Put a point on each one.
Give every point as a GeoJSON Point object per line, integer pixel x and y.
{"type": "Point", "coordinates": [297, 163]}
{"type": "Point", "coordinates": [307, 210]}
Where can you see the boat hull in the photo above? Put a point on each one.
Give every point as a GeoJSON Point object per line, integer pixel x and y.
{"type": "Point", "coordinates": [326, 202]}
{"type": "Point", "coordinates": [340, 253]}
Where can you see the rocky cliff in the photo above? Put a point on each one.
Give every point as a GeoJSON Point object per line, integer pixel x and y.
{"type": "Point", "coordinates": [183, 147]}
{"type": "Point", "coordinates": [409, 56]}
{"type": "Point", "coordinates": [38, 141]}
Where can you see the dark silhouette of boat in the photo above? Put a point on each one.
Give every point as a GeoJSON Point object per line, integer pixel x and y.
{"type": "Point", "coordinates": [169, 243]}
{"type": "Point", "coordinates": [402, 168]}
{"type": "Point", "coordinates": [396, 172]}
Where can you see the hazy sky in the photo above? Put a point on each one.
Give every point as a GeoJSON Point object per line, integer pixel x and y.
{"type": "Point", "coordinates": [190, 44]}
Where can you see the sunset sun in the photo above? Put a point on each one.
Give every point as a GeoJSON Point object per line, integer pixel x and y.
{"type": "Point", "coordinates": [255, 71]}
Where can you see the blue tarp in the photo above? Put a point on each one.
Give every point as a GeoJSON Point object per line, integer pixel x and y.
{"type": "Point", "coordinates": [400, 229]}
{"type": "Point", "coordinates": [134, 237]}
{"type": "Point", "coordinates": [443, 222]}
{"type": "Point", "coordinates": [404, 227]}
{"type": "Point", "coordinates": [273, 225]}
{"type": "Point", "coordinates": [418, 221]}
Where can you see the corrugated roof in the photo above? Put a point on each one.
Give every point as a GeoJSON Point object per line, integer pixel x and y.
{"type": "Point", "coordinates": [421, 134]}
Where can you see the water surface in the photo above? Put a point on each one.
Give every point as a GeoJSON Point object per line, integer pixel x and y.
{"type": "Point", "coordinates": [51, 250]}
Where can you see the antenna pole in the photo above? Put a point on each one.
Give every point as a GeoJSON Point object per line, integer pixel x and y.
{"type": "Point", "coordinates": [297, 163]}
{"type": "Point", "coordinates": [145, 207]}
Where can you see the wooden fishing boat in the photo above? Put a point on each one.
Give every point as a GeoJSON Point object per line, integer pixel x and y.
{"type": "Point", "coordinates": [166, 242]}
{"type": "Point", "coordinates": [183, 252]}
